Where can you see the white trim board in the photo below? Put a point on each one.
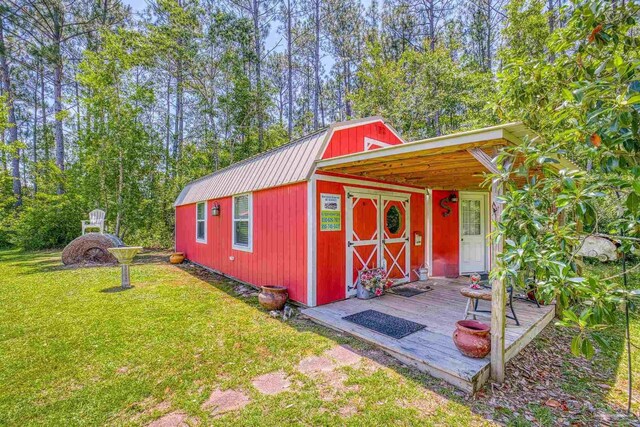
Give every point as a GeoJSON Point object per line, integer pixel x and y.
{"type": "Point", "coordinates": [312, 258]}
{"type": "Point", "coordinates": [418, 146]}
{"type": "Point", "coordinates": [374, 144]}
{"type": "Point", "coordinates": [354, 181]}
{"type": "Point", "coordinates": [485, 229]}
{"type": "Point", "coordinates": [249, 247]}
{"type": "Point", "coordinates": [205, 220]}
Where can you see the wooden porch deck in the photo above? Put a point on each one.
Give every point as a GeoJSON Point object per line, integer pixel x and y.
{"type": "Point", "coordinates": [431, 349]}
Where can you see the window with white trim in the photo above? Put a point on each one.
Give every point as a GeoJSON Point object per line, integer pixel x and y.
{"type": "Point", "coordinates": [201, 222]}
{"type": "Point", "coordinates": [243, 222]}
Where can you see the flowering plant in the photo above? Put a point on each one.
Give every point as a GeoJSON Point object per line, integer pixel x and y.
{"type": "Point", "coordinates": [475, 281]}
{"type": "Point", "coordinates": [374, 280]}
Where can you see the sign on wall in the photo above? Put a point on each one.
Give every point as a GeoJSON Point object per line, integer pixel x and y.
{"type": "Point", "coordinates": [330, 213]}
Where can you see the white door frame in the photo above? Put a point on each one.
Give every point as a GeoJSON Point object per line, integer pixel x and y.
{"type": "Point", "coordinates": [485, 218]}
{"type": "Point", "coordinates": [350, 194]}
{"type": "Point", "coordinates": [382, 196]}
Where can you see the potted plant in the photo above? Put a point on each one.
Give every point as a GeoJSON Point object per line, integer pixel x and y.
{"type": "Point", "coordinates": [372, 283]}
{"type": "Point", "coordinates": [475, 279]}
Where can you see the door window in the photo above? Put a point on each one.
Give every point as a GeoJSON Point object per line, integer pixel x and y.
{"type": "Point", "coordinates": [394, 220]}
{"type": "Point", "coordinates": [471, 221]}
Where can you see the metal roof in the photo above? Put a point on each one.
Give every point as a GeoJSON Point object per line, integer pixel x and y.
{"type": "Point", "coordinates": [289, 163]}
{"type": "Point", "coordinates": [295, 161]}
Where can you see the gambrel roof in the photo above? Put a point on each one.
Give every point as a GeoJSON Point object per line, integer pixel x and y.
{"type": "Point", "coordinates": [287, 164]}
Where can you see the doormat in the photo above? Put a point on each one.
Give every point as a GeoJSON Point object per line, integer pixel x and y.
{"type": "Point", "coordinates": [391, 326]}
{"type": "Point", "coordinates": [408, 291]}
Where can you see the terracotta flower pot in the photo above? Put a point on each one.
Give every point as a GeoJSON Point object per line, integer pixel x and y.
{"type": "Point", "coordinates": [472, 338]}
{"type": "Point", "coordinates": [176, 258]}
{"type": "Point", "coordinates": [273, 297]}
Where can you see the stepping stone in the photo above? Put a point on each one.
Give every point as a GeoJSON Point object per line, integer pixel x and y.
{"type": "Point", "coordinates": [273, 383]}
{"type": "Point", "coordinates": [315, 364]}
{"type": "Point", "coordinates": [343, 355]}
{"type": "Point", "coordinates": [221, 402]}
{"type": "Point", "coordinates": [173, 419]}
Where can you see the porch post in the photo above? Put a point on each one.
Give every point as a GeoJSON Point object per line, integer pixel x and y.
{"type": "Point", "coordinates": [498, 291]}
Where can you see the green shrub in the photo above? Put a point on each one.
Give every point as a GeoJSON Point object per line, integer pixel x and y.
{"type": "Point", "coordinates": [49, 221]}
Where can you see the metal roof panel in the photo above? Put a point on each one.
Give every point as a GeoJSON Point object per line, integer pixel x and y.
{"type": "Point", "coordinates": [286, 164]}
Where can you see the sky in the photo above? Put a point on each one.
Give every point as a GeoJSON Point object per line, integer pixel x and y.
{"type": "Point", "coordinates": [273, 41]}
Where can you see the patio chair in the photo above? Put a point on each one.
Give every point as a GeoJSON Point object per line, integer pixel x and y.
{"type": "Point", "coordinates": [475, 295]}
{"type": "Point", "coordinates": [96, 220]}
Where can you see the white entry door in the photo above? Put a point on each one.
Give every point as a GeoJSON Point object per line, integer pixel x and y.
{"type": "Point", "coordinates": [473, 238]}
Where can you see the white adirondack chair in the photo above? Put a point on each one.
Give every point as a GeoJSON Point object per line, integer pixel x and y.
{"type": "Point", "coordinates": [96, 220]}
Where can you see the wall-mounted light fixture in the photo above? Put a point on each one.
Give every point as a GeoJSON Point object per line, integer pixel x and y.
{"type": "Point", "coordinates": [215, 209]}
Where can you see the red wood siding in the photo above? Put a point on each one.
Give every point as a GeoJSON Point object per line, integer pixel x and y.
{"type": "Point", "coordinates": [351, 140]}
{"type": "Point", "coordinates": [446, 236]}
{"type": "Point", "coordinates": [331, 245]}
{"type": "Point", "coordinates": [279, 254]}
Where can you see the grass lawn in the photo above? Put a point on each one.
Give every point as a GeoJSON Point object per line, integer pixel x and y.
{"type": "Point", "coordinates": [75, 353]}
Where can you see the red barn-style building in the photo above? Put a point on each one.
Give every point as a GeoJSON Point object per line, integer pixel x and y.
{"type": "Point", "coordinates": [312, 213]}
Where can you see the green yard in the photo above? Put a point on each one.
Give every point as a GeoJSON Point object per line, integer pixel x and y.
{"type": "Point", "coordinates": [76, 353]}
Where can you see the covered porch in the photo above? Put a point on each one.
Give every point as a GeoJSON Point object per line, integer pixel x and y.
{"type": "Point", "coordinates": [432, 349]}
{"type": "Point", "coordinates": [455, 163]}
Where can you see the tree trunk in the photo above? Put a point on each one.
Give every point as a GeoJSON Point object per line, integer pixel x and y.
{"type": "Point", "coordinates": [552, 24]}
{"type": "Point", "coordinates": [57, 109]}
{"type": "Point", "coordinates": [35, 133]}
{"type": "Point", "coordinates": [489, 64]}
{"type": "Point", "coordinates": [432, 25]}
{"type": "Point", "coordinates": [289, 72]}
{"type": "Point", "coordinates": [13, 128]}
{"type": "Point", "coordinates": [77, 93]}
{"type": "Point", "coordinates": [58, 16]}
{"type": "Point", "coordinates": [177, 144]}
{"type": "Point", "coordinates": [316, 65]}
{"type": "Point", "coordinates": [258, 52]}
{"type": "Point", "coordinates": [3, 136]}
{"type": "Point", "coordinates": [347, 89]}
{"type": "Point", "coordinates": [43, 107]}
{"type": "Point", "coordinates": [552, 15]}
{"type": "Point", "coordinates": [167, 146]}
{"type": "Point", "coordinates": [120, 197]}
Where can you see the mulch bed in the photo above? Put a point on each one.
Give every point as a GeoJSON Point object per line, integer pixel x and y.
{"type": "Point", "coordinates": [541, 375]}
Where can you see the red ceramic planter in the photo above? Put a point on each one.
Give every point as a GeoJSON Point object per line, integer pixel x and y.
{"type": "Point", "coordinates": [273, 297]}
{"type": "Point", "coordinates": [176, 258]}
{"type": "Point", "coordinates": [472, 338]}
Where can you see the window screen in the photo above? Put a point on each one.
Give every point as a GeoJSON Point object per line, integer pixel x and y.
{"type": "Point", "coordinates": [242, 218]}
{"type": "Point", "coordinates": [201, 222]}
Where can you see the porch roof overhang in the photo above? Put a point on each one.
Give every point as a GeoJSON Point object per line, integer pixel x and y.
{"type": "Point", "coordinates": [459, 161]}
